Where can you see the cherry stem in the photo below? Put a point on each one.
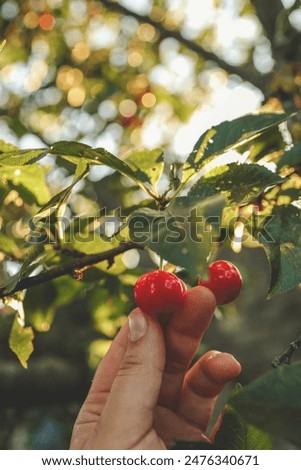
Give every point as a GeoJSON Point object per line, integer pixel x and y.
{"type": "Point", "coordinates": [161, 263]}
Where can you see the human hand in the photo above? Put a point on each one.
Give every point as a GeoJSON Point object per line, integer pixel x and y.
{"type": "Point", "coordinates": [143, 395]}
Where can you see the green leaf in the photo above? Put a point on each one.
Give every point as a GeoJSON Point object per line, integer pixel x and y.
{"type": "Point", "coordinates": [147, 165]}
{"type": "Point", "coordinates": [280, 235]}
{"type": "Point", "coordinates": [72, 151]}
{"type": "Point", "coordinates": [67, 291]}
{"type": "Point", "coordinates": [237, 434]}
{"type": "Point", "coordinates": [22, 179]}
{"type": "Point", "coordinates": [291, 157]}
{"type": "Point", "coordinates": [108, 311]}
{"type": "Point", "coordinates": [183, 235]}
{"type": "Point", "coordinates": [20, 341]}
{"type": "Point", "coordinates": [4, 190]}
{"type": "Point", "coordinates": [58, 202]}
{"type": "Point", "coordinates": [286, 274]}
{"type": "Point", "coordinates": [272, 402]}
{"type": "Point", "coordinates": [82, 170]}
{"type": "Point", "coordinates": [101, 157]}
{"type": "Point", "coordinates": [239, 183]}
{"type": "Point", "coordinates": [7, 147]}
{"type": "Point", "coordinates": [2, 44]}
{"type": "Point", "coordinates": [18, 158]}
{"type": "Point", "coordinates": [54, 203]}
{"type": "Point", "coordinates": [30, 261]}
{"type": "Point", "coordinates": [234, 434]}
{"type": "Point", "coordinates": [40, 304]}
{"type": "Point", "coordinates": [267, 144]}
{"type": "Point", "coordinates": [230, 134]}
{"type": "Point", "coordinates": [92, 243]}
{"type": "Point", "coordinates": [69, 149]}
{"type": "Point", "coordinates": [9, 246]}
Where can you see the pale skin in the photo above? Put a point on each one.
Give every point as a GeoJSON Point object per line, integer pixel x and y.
{"type": "Point", "coordinates": [145, 394]}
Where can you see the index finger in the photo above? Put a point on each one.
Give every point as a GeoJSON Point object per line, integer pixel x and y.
{"type": "Point", "coordinates": [182, 338]}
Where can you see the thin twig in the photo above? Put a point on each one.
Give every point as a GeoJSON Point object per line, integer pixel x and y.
{"type": "Point", "coordinates": [246, 72]}
{"type": "Point", "coordinates": [69, 268]}
{"type": "Point", "coordinates": [268, 13]}
{"type": "Point", "coordinates": [287, 355]}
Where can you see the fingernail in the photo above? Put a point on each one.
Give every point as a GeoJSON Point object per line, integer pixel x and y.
{"type": "Point", "coordinates": [137, 325]}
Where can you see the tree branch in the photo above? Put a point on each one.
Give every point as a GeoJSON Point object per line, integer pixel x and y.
{"type": "Point", "coordinates": [246, 72]}
{"type": "Point", "coordinates": [286, 356]}
{"type": "Point", "coordinates": [267, 13]}
{"type": "Point", "coordinates": [69, 268]}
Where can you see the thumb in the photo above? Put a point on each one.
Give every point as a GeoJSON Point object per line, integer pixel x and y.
{"type": "Point", "coordinates": [134, 393]}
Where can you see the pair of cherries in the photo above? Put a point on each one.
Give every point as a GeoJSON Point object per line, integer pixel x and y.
{"type": "Point", "coordinates": [160, 292]}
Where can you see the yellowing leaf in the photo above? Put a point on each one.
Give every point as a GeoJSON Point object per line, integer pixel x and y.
{"type": "Point", "coordinates": [20, 341]}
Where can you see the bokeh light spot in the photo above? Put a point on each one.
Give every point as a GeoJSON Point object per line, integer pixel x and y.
{"type": "Point", "coordinates": [31, 20]}
{"type": "Point", "coordinates": [146, 32]}
{"type": "Point", "coordinates": [80, 52]}
{"type": "Point", "coordinates": [9, 10]}
{"type": "Point", "coordinates": [68, 77]}
{"type": "Point", "coordinates": [138, 85]}
{"type": "Point", "coordinates": [127, 108]}
{"type": "Point", "coordinates": [76, 96]}
{"type": "Point", "coordinates": [46, 21]}
{"type": "Point", "coordinates": [135, 59]}
{"type": "Point", "coordinates": [148, 100]}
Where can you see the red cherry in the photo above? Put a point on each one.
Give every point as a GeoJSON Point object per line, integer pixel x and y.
{"type": "Point", "coordinates": [159, 292]}
{"type": "Point", "coordinates": [224, 280]}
